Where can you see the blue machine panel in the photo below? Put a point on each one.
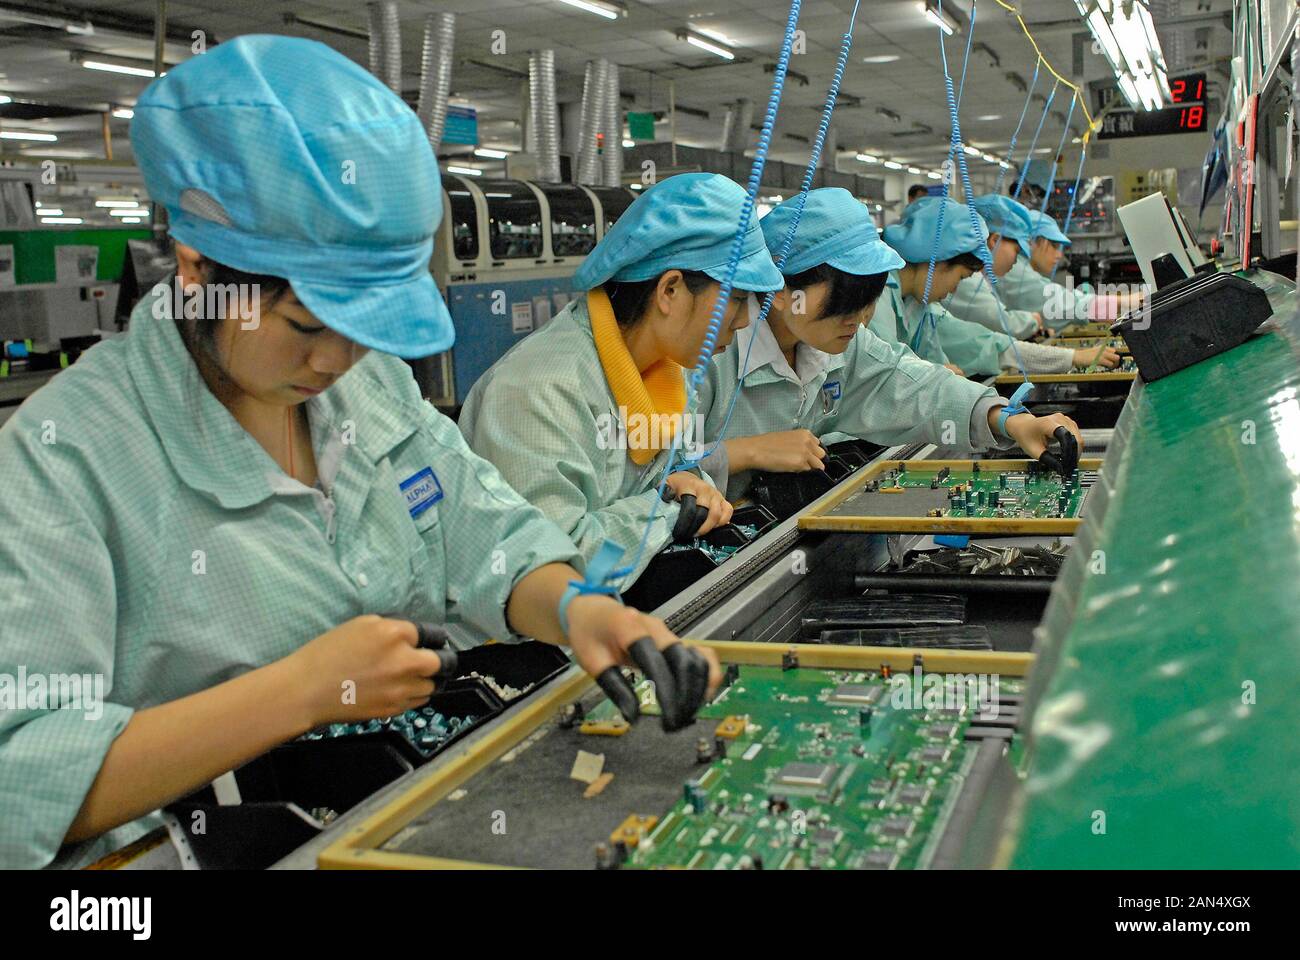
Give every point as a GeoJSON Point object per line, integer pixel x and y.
{"type": "Point", "coordinates": [491, 318]}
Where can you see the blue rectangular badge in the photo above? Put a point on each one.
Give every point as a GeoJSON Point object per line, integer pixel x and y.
{"type": "Point", "coordinates": [832, 390]}
{"type": "Point", "coordinates": [421, 490]}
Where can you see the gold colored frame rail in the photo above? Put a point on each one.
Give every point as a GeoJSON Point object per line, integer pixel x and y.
{"type": "Point", "coordinates": [358, 848]}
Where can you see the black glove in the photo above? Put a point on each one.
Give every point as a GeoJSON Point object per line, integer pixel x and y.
{"type": "Point", "coordinates": [1068, 461]}
{"type": "Point", "coordinates": [679, 673]}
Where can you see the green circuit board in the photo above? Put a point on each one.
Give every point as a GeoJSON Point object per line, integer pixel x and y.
{"type": "Point", "coordinates": [827, 769]}
{"type": "Point", "coordinates": [1029, 493]}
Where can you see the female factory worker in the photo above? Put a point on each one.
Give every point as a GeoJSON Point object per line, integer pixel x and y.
{"type": "Point", "coordinates": [931, 331]}
{"type": "Point", "coordinates": [974, 300]}
{"type": "Point", "coordinates": [1029, 284]}
{"type": "Point", "coordinates": [814, 369]}
{"type": "Point", "coordinates": [578, 417]}
{"type": "Point", "coordinates": [204, 519]}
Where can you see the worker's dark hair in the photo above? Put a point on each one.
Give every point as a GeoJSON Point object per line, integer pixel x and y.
{"type": "Point", "coordinates": [970, 261]}
{"type": "Point", "coordinates": [629, 298]}
{"type": "Point", "coordinates": [850, 293]}
{"type": "Point", "coordinates": [916, 190]}
{"type": "Point", "coordinates": [200, 334]}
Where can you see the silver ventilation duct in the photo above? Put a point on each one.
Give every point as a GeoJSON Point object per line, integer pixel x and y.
{"type": "Point", "coordinates": [593, 112]}
{"type": "Point", "coordinates": [435, 74]}
{"type": "Point", "coordinates": [735, 128]}
{"type": "Point", "coordinates": [613, 159]}
{"type": "Point", "coordinates": [543, 115]}
{"type": "Point", "coordinates": [386, 44]}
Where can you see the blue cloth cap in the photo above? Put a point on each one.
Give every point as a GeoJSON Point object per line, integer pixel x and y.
{"type": "Point", "coordinates": [1044, 226]}
{"type": "Point", "coordinates": [835, 228]}
{"type": "Point", "coordinates": [914, 236]}
{"type": "Point", "coordinates": [1004, 215]}
{"type": "Point", "coordinates": [280, 156]}
{"type": "Point", "coordinates": [687, 222]}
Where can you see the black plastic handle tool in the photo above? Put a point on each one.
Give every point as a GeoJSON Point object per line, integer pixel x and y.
{"type": "Point", "coordinates": [1068, 461]}
{"type": "Point", "coordinates": [434, 636]}
{"type": "Point", "coordinates": [689, 519]}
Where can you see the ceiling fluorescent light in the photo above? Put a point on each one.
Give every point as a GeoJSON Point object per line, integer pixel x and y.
{"type": "Point", "coordinates": [939, 17]}
{"type": "Point", "coordinates": [892, 165]}
{"type": "Point", "coordinates": [915, 171]}
{"type": "Point", "coordinates": [117, 68]}
{"type": "Point", "coordinates": [704, 43]}
{"type": "Point", "coordinates": [62, 220]}
{"type": "Point", "coordinates": [24, 135]}
{"type": "Point", "coordinates": [601, 8]}
{"type": "Point", "coordinates": [465, 171]}
{"type": "Point", "coordinates": [489, 154]}
{"type": "Point", "coordinates": [881, 58]}
{"type": "Point", "coordinates": [124, 113]}
{"type": "Point", "coordinates": [868, 158]}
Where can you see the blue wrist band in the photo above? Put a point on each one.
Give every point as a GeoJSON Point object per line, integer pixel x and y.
{"type": "Point", "coordinates": [1017, 405]}
{"type": "Point", "coordinates": [599, 572]}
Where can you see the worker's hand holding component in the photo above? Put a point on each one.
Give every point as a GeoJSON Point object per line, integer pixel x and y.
{"type": "Point", "coordinates": [369, 666]}
{"type": "Point", "coordinates": [709, 504]}
{"type": "Point", "coordinates": [1035, 434]}
{"type": "Point", "coordinates": [1099, 356]}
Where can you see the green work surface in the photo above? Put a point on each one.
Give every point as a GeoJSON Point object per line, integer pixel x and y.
{"type": "Point", "coordinates": [848, 794]}
{"type": "Point", "coordinates": [987, 494]}
{"type": "Point", "coordinates": [1173, 711]}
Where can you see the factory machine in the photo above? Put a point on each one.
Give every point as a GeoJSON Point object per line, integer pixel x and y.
{"type": "Point", "coordinates": [504, 258]}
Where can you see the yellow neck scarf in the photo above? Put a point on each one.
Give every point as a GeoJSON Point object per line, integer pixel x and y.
{"type": "Point", "coordinates": [653, 401]}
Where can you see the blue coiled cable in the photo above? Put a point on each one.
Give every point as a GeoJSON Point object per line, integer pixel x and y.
{"type": "Point", "coordinates": [724, 292]}
{"type": "Point", "coordinates": [1074, 196]}
{"type": "Point", "coordinates": [787, 240]}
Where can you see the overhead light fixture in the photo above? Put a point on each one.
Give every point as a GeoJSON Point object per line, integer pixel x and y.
{"type": "Point", "coordinates": [129, 212]}
{"type": "Point", "coordinates": [4, 99]}
{"type": "Point", "coordinates": [915, 171]}
{"type": "Point", "coordinates": [124, 65]}
{"type": "Point", "coordinates": [131, 220]}
{"type": "Point", "coordinates": [124, 113]}
{"type": "Point", "coordinates": [708, 44]}
{"type": "Point", "coordinates": [868, 158]}
{"type": "Point", "coordinates": [939, 17]}
{"type": "Point", "coordinates": [62, 220]}
{"type": "Point", "coordinates": [465, 171]}
{"type": "Point", "coordinates": [890, 164]}
{"type": "Point", "coordinates": [50, 211]}
{"type": "Point", "coordinates": [490, 154]}
{"type": "Point", "coordinates": [635, 186]}
{"type": "Point", "coordinates": [990, 116]}
{"type": "Point", "coordinates": [1127, 38]}
{"type": "Point", "coordinates": [82, 28]}
{"type": "Point", "coordinates": [117, 203]}
{"type": "Point", "coordinates": [24, 135]}
{"type": "Point", "coordinates": [601, 8]}
{"type": "Point", "coordinates": [934, 174]}
{"type": "Point", "coordinates": [629, 143]}
{"type": "Point", "coordinates": [881, 58]}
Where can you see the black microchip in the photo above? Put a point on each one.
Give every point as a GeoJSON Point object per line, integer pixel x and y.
{"type": "Point", "coordinates": [914, 794]}
{"type": "Point", "coordinates": [934, 754]}
{"type": "Point", "coordinates": [941, 731]}
{"type": "Point", "coordinates": [831, 837]}
{"type": "Point", "coordinates": [878, 786]}
{"type": "Point", "coordinates": [897, 826]}
{"type": "Point", "coordinates": [878, 860]}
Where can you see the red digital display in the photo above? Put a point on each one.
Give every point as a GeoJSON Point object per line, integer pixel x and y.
{"type": "Point", "coordinates": [1188, 89]}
